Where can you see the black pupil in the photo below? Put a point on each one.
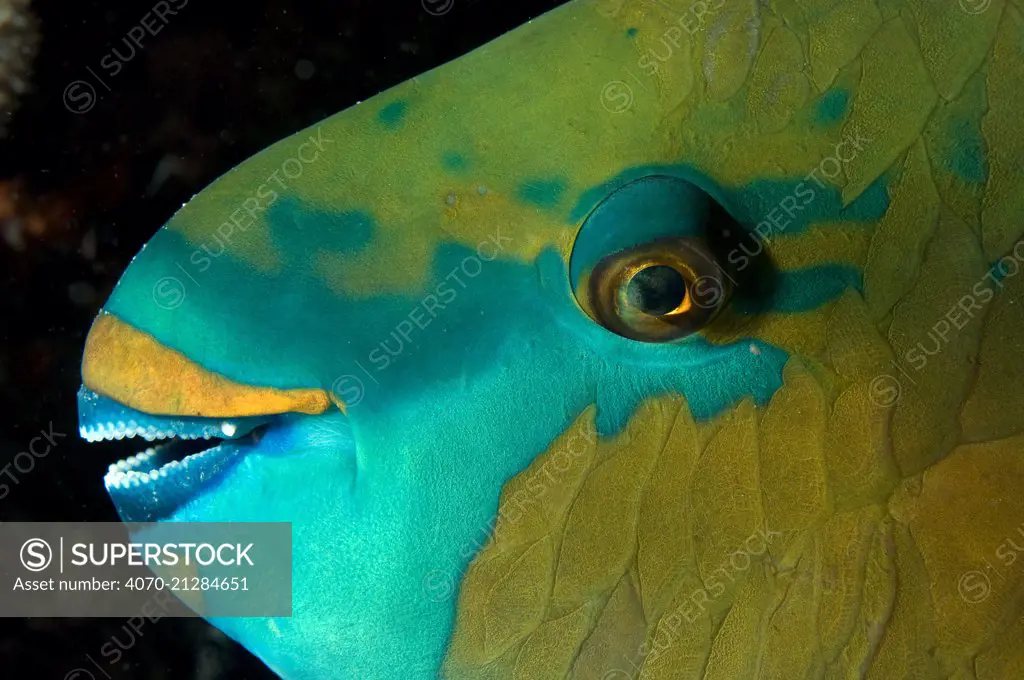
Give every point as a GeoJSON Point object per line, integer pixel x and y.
{"type": "Point", "coordinates": [657, 289]}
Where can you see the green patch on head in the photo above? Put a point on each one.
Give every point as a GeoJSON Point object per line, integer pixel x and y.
{"type": "Point", "coordinates": [298, 230]}
{"type": "Point", "coordinates": [543, 193]}
{"type": "Point", "coordinates": [454, 162]}
{"type": "Point", "coordinates": [808, 289]}
{"type": "Point", "coordinates": [392, 115]}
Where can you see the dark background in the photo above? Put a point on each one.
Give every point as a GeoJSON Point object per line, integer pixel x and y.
{"type": "Point", "coordinates": [80, 192]}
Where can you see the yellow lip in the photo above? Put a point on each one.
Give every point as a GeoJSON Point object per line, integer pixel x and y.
{"type": "Point", "coordinates": [133, 368]}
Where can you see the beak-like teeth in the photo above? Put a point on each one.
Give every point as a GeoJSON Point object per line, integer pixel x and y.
{"type": "Point", "coordinates": [145, 468]}
{"type": "Point", "coordinates": [120, 430]}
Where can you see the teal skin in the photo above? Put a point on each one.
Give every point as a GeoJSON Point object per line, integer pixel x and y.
{"type": "Point", "coordinates": [401, 513]}
{"type": "Point", "coordinates": [384, 526]}
{"type": "Point", "coordinates": [454, 384]}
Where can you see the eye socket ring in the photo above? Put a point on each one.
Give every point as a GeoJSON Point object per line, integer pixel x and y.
{"type": "Point", "coordinates": [658, 292]}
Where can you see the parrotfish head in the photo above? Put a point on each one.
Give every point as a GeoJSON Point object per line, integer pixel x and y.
{"type": "Point", "coordinates": [531, 347]}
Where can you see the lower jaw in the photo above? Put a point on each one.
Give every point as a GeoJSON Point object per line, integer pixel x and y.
{"type": "Point", "coordinates": [151, 485]}
{"type": "Point", "coordinates": [154, 483]}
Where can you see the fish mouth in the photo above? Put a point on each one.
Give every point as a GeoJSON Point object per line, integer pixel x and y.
{"type": "Point", "coordinates": [202, 423]}
{"type": "Point", "coordinates": [189, 453]}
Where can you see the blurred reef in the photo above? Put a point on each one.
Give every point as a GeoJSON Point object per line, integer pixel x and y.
{"type": "Point", "coordinates": [19, 39]}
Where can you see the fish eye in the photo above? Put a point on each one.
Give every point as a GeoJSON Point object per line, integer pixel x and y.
{"type": "Point", "coordinates": [660, 291]}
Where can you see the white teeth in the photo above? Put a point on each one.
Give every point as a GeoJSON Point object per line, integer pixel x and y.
{"type": "Point", "coordinates": [140, 457]}
{"type": "Point", "coordinates": [138, 471]}
{"type": "Point", "coordinates": [129, 473]}
{"type": "Point", "coordinates": [119, 478]}
{"type": "Point", "coordinates": [129, 430]}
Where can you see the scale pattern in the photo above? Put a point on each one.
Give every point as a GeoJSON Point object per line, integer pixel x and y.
{"type": "Point", "coordinates": [866, 522]}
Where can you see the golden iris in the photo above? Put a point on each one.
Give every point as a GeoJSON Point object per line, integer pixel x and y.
{"type": "Point", "coordinates": [658, 292]}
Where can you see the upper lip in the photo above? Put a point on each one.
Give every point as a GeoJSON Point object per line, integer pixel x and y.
{"type": "Point", "coordinates": [135, 369]}
{"type": "Point", "coordinates": [136, 386]}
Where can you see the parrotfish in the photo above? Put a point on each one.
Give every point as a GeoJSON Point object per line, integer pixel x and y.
{"type": "Point", "coordinates": [676, 339]}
